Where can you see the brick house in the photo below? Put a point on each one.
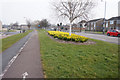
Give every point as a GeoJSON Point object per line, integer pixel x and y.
{"type": "Point", "coordinates": [82, 24]}
{"type": "Point", "coordinates": [63, 28]}
{"type": "Point", "coordinates": [95, 25]}
{"type": "Point", "coordinates": [23, 26]}
{"type": "Point", "coordinates": [79, 26]}
{"type": "Point", "coordinates": [74, 27]}
{"type": "Point", "coordinates": [113, 22]}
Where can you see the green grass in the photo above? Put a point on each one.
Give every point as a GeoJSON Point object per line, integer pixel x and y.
{"type": "Point", "coordinates": [78, 61]}
{"type": "Point", "coordinates": [12, 30]}
{"type": "Point", "coordinates": [2, 30]}
{"type": "Point", "coordinates": [96, 32]}
{"type": "Point", "coordinates": [99, 32]}
{"type": "Point", "coordinates": [6, 30]}
{"type": "Point", "coordinates": [9, 41]}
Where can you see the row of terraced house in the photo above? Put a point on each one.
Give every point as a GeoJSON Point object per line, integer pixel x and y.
{"type": "Point", "coordinates": [94, 25]}
{"type": "Point", "coordinates": [97, 24]}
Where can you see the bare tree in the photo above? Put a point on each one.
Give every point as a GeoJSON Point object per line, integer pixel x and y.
{"type": "Point", "coordinates": [74, 9]}
{"type": "Point", "coordinates": [43, 23]}
{"type": "Point", "coordinates": [15, 25]}
{"type": "Point", "coordinates": [36, 23]}
{"type": "Point", "coordinates": [28, 23]}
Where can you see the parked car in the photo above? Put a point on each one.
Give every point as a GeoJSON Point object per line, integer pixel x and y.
{"type": "Point", "coordinates": [113, 33]}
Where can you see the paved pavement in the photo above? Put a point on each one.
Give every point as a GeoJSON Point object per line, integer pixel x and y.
{"type": "Point", "coordinates": [8, 54]}
{"type": "Point", "coordinates": [28, 61]}
{"type": "Point", "coordinates": [100, 37]}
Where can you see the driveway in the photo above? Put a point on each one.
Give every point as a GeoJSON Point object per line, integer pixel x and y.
{"type": "Point", "coordinates": [100, 37]}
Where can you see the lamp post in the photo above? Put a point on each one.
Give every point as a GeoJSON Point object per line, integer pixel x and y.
{"type": "Point", "coordinates": [104, 27]}
{"type": "Point", "coordinates": [119, 8]}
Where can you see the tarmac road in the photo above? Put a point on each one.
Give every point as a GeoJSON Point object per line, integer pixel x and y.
{"type": "Point", "coordinates": [106, 38]}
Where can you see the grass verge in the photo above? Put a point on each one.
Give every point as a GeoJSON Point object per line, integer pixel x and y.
{"type": "Point", "coordinates": [9, 41]}
{"type": "Point", "coordinates": [78, 61]}
{"type": "Point", "coordinates": [99, 32]}
{"type": "Point", "coordinates": [96, 32]}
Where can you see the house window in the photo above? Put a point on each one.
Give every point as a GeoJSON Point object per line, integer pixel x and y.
{"type": "Point", "coordinates": [88, 23]}
{"type": "Point", "coordinates": [94, 24]}
{"type": "Point", "coordinates": [106, 24]}
{"type": "Point", "coordinates": [91, 23]}
{"type": "Point", "coordinates": [91, 28]}
{"type": "Point", "coordinates": [112, 22]}
{"type": "Point", "coordinates": [118, 21]}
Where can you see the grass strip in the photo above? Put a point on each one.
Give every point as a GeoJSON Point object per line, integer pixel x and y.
{"type": "Point", "coordinates": [62, 60]}
{"type": "Point", "coordinates": [9, 41]}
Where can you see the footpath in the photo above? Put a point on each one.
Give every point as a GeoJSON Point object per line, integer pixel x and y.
{"type": "Point", "coordinates": [28, 63]}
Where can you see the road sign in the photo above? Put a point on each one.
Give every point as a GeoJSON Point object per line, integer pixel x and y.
{"type": "Point", "coordinates": [38, 25]}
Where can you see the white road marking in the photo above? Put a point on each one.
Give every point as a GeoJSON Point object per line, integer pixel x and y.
{"type": "Point", "coordinates": [24, 75]}
{"type": "Point", "coordinates": [14, 58]}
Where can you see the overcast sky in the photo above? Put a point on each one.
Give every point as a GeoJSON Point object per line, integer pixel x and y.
{"type": "Point", "coordinates": [16, 10]}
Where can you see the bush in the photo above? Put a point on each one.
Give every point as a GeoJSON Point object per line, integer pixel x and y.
{"type": "Point", "coordinates": [65, 36]}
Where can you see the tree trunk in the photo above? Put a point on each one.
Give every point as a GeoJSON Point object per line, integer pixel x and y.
{"type": "Point", "coordinates": [80, 28]}
{"type": "Point", "coordinates": [70, 28]}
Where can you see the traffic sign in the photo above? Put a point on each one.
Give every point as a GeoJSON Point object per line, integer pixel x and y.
{"type": "Point", "coordinates": [38, 25]}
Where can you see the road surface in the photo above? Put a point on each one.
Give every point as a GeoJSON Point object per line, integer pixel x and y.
{"type": "Point", "coordinates": [100, 37]}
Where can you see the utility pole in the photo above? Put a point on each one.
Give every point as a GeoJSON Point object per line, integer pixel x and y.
{"type": "Point", "coordinates": [119, 8]}
{"type": "Point", "coordinates": [104, 27]}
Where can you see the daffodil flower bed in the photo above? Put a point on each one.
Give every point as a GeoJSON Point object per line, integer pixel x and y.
{"type": "Point", "coordinates": [65, 36]}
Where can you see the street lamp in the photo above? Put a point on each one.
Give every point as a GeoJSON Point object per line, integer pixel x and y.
{"type": "Point", "coordinates": [104, 27]}
{"type": "Point", "coordinates": [119, 8]}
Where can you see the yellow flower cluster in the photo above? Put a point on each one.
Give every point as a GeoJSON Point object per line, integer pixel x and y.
{"type": "Point", "coordinates": [65, 36]}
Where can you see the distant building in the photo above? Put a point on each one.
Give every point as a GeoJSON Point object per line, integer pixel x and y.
{"type": "Point", "coordinates": [79, 26]}
{"type": "Point", "coordinates": [75, 27]}
{"type": "Point", "coordinates": [119, 8]}
{"type": "Point", "coordinates": [82, 24]}
{"type": "Point", "coordinates": [0, 25]}
{"type": "Point", "coordinates": [114, 22]}
{"type": "Point", "coordinates": [95, 25]}
{"type": "Point", "coordinates": [63, 28]}
{"type": "Point", "coordinates": [5, 27]}
{"type": "Point", "coordinates": [23, 26]}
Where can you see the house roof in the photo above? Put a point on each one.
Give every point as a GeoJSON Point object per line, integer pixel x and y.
{"type": "Point", "coordinates": [115, 18]}
{"type": "Point", "coordinates": [23, 25]}
{"type": "Point", "coordinates": [83, 21]}
{"type": "Point", "coordinates": [95, 20]}
{"type": "Point", "coordinates": [74, 25]}
{"type": "Point", "coordinates": [5, 26]}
